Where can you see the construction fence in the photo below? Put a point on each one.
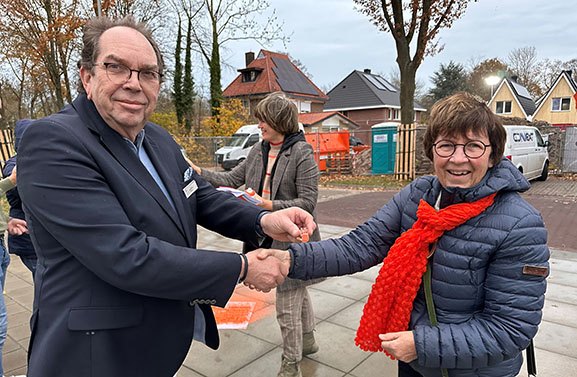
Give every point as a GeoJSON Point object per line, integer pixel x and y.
{"type": "Point", "coordinates": [364, 152]}
{"type": "Point", "coordinates": [360, 151]}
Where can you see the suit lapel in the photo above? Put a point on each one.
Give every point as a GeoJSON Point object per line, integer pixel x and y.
{"type": "Point", "coordinates": [117, 147]}
{"type": "Point", "coordinates": [168, 170]}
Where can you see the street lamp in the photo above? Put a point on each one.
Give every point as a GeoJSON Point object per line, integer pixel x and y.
{"type": "Point", "coordinates": [492, 81]}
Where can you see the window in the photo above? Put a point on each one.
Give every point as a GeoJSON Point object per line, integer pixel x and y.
{"type": "Point", "coordinates": [252, 140]}
{"type": "Point", "coordinates": [561, 104]}
{"type": "Point", "coordinates": [305, 107]}
{"type": "Point", "coordinates": [503, 107]}
{"type": "Point", "coordinates": [246, 104]}
{"type": "Point", "coordinates": [249, 76]}
{"type": "Point", "coordinates": [393, 114]}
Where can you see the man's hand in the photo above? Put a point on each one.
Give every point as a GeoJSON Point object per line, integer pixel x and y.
{"type": "Point", "coordinates": [286, 224]}
{"type": "Point", "coordinates": [401, 345]}
{"type": "Point", "coordinates": [264, 274]}
{"type": "Point", "coordinates": [17, 227]}
{"type": "Point", "coordinates": [283, 255]}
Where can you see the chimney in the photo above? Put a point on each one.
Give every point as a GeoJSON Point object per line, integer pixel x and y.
{"type": "Point", "coordinates": [367, 70]}
{"type": "Point", "coordinates": [248, 57]}
{"type": "Point", "coordinates": [514, 78]}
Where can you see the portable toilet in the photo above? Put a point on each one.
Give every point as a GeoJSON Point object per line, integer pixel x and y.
{"type": "Point", "coordinates": [384, 147]}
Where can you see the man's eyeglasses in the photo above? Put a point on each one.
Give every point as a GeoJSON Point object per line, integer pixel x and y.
{"type": "Point", "coordinates": [472, 149]}
{"type": "Point", "coordinates": [119, 74]}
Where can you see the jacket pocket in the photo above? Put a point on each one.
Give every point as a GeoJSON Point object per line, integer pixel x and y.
{"type": "Point", "coordinates": [104, 318]}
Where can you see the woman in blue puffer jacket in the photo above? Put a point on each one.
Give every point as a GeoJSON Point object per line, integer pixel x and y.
{"type": "Point", "coordinates": [487, 274]}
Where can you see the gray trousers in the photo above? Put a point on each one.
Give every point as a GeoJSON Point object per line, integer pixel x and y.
{"type": "Point", "coordinates": [294, 313]}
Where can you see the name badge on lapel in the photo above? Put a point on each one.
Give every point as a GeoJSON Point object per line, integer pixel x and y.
{"type": "Point", "coordinates": [187, 174]}
{"type": "Point", "coordinates": [190, 189]}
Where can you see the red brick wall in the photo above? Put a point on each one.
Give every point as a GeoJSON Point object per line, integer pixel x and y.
{"type": "Point", "coordinates": [317, 107]}
{"type": "Point", "coordinates": [366, 119]}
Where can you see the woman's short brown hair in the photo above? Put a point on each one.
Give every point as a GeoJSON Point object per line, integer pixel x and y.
{"type": "Point", "coordinates": [278, 112]}
{"type": "Point", "coordinates": [460, 114]}
{"type": "Point", "coordinates": [94, 29]}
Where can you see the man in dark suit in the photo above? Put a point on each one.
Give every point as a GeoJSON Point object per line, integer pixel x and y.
{"type": "Point", "coordinates": [112, 208]}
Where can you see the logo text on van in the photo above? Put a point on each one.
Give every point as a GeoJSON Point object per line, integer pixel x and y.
{"type": "Point", "coordinates": [523, 136]}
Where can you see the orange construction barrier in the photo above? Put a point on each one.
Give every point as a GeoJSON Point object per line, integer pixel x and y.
{"type": "Point", "coordinates": [328, 143]}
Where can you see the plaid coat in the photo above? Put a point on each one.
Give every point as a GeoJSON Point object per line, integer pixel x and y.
{"type": "Point", "coordinates": [294, 184]}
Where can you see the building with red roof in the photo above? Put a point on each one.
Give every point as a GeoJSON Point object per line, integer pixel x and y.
{"type": "Point", "coordinates": [273, 72]}
{"type": "Point", "coordinates": [327, 121]}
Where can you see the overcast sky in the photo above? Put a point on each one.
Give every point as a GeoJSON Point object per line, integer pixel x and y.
{"type": "Point", "coordinates": [332, 39]}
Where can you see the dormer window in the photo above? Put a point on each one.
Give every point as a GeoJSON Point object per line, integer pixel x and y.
{"type": "Point", "coordinates": [249, 76]}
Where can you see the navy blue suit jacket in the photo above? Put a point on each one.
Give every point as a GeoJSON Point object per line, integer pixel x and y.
{"type": "Point", "coordinates": [118, 273]}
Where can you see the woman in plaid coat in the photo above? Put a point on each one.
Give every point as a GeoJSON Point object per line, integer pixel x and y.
{"type": "Point", "coordinates": [282, 171]}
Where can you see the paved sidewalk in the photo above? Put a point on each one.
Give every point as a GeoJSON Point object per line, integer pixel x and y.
{"type": "Point", "coordinates": [338, 304]}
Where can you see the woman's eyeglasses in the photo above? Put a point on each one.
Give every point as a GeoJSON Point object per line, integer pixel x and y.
{"type": "Point", "coordinates": [472, 149]}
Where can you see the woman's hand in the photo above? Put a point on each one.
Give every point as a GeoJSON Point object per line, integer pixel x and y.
{"type": "Point", "coordinates": [18, 227]}
{"type": "Point", "coordinates": [12, 176]}
{"type": "Point", "coordinates": [192, 165]}
{"type": "Point", "coordinates": [264, 203]}
{"type": "Point", "coordinates": [401, 345]}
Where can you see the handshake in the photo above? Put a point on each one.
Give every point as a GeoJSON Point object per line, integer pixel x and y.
{"type": "Point", "coordinates": [267, 268]}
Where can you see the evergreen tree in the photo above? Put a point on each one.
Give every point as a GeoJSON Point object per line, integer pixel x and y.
{"type": "Point", "coordinates": [215, 87]}
{"type": "Point", "coordinates": [177, 83]}
{"type": "Point", "coordinates": [188, 84]}
{"type": "Point", "coordinates": [447, 80]}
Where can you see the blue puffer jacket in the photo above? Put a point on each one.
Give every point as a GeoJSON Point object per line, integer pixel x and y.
{"type": "Point", "coordinates": [487, 308]}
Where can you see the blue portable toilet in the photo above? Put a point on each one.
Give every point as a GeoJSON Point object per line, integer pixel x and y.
{"type": "Point", "coordinates": [384, 147]}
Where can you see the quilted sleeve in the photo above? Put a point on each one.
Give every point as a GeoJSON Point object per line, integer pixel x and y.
{"type": "Point", "coordinates": [359, 250]}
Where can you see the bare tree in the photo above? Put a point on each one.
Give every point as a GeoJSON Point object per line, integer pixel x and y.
{"type": "Point", "coordinates": [522, 62]}
{"type": "Point", "coordinates": [405, 20]}
{"type": "Point", "coordinates": [219, 22]}
{"type": "Point", "coordinates": [394, 77]}
{"type": "Point", "coordinates": [548, 71]}
{"type": "Point", "coordinates": [46, 32]}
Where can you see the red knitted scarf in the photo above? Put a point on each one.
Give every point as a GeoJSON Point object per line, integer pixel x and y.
{"type": "Point", "coordinates": [391, 300]}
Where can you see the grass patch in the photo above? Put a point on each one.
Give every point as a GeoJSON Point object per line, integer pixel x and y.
{"type": "Point", "coordinates": [379, 181]}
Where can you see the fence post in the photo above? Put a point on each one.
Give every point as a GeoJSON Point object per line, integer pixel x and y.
{"type": "Point", "coordinates": [6, 145]}
{"type": "Point", "coordinates": [405, 154]}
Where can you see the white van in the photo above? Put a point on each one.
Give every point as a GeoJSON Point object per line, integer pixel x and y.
{"type": "Point", "coordinates": [527, 149]}
{"type": "Point", "coordinates": [238, 146]}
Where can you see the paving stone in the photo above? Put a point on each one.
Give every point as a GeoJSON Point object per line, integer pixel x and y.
{"type": "Point", "coordinates": [557, 338]}
{"type": "Point", "coordinates": [346, 286]}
